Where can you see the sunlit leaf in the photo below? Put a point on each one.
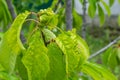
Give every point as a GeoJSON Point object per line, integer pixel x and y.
{"type": "Point", "coordinates": [35, 59]}
{"type": "Point", "coordinates": [76, 52]}
{"type": "Point", "coordinates": [11, 44]}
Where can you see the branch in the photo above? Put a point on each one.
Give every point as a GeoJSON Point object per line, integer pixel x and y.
{"type": "Point", "coordinates": [68, 15]}
{"type": "Point", "coordinates": [103, 49]}
{"type": "Point", "coordinates": [84, 19]}
{"type": "Point", "coordinates": [11, 9]}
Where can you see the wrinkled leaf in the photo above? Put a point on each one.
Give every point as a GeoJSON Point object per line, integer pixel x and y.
{"type": "Point", "coordinates": [75, 49]}
{"type": "Point", "coordinates": [35, 59]}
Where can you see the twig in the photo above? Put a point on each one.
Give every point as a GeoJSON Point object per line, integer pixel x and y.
{"type": "Point", "coordinates": [103, 49]}
{"type": "Point", "coordinates": [11, 9]}
{"type": "Point", "coordinates": [84, 19]}
{"type": "Point", "coordinates": [33, 20]}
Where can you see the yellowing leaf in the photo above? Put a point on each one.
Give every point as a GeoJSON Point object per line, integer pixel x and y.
{"type": "Point", "coordinates": [35, 59]}
{"type": "Point", "coordinates": [11, 45]}
{"type": "Point", "coordinates": [75, 49]}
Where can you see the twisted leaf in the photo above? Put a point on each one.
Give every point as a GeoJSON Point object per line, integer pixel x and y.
{"type": "Point", "coordinates": [11, 44]}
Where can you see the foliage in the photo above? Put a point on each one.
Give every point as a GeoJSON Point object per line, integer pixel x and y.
{"type": "Point", "coordinates": [46, 55]}
{"type": "Point", "coordinates": [5, 17]}
{"type": "Point", "coordinates": [112, 57]}
{"type": "Point", "coordinates": [119, 20]}
{"type": "Point", "coordinates": [36, 5]}
{"type": "Point", "coordinates": [95, 5]}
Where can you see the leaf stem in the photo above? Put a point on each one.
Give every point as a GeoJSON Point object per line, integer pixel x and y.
{"type": "Point", "coordinates": [33, 20]}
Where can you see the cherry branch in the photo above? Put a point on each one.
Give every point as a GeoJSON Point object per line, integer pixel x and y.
{"type": "Point", "coordinates": [103, 49]}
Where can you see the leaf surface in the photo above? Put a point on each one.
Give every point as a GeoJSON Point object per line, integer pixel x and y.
{"type": "Point", "coordinates": [11, 44]}
{"type": "Point", "coordinates": [57, 63]}
{"type": "Point", "coordinates": [97, 72]}
{"type": "Point", "coordinates": [35, 59]}
{"type": "Point", "coordinates": [74, 48]}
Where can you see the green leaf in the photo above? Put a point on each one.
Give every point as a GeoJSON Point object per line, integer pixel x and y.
{"type": "Point", "coordinates": [111, 2]}
{"type": "Point", "coordinates": [107, 8]}
{"type": "Point", "coordinates": [5, 17]}
{"type": "Point", "coordinates": [48, 18]}
{"type": "Point", "coordinates": [106, 55]}
{"type": "Point", "coordinates": [20, 68]}
{"type": "Point", "coordinates": [119, 20]}
{"type": "Point", "coordinates": [118, 53]}
{"type": "Point", "coordinates": [57, 63]}
{"type": "Point", "coordinates": [81, 1]}
{"type": "Point", "coordinates": [35, 59]}
{"type": "Point", "coordinates": [119, 1]}
{"type": "Point", "coordinates": [92, 10]}
{"type": "Point", "coordinates": [97, 72]}
{"type": "Point", "coordinates": [75, 49]}
{"type": "Point", "coordinates": [48, 35]}
{"type": "Point", "coordinates": [101, 15]}
{"type": "Point", "coordinates": [11, 44]}
{"type": "Point", "coordinates": [6, 76]}
{"type": "Point", "coordinates": [110, 58]}
{"type": "Point", "coordinates": [77, 20]}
